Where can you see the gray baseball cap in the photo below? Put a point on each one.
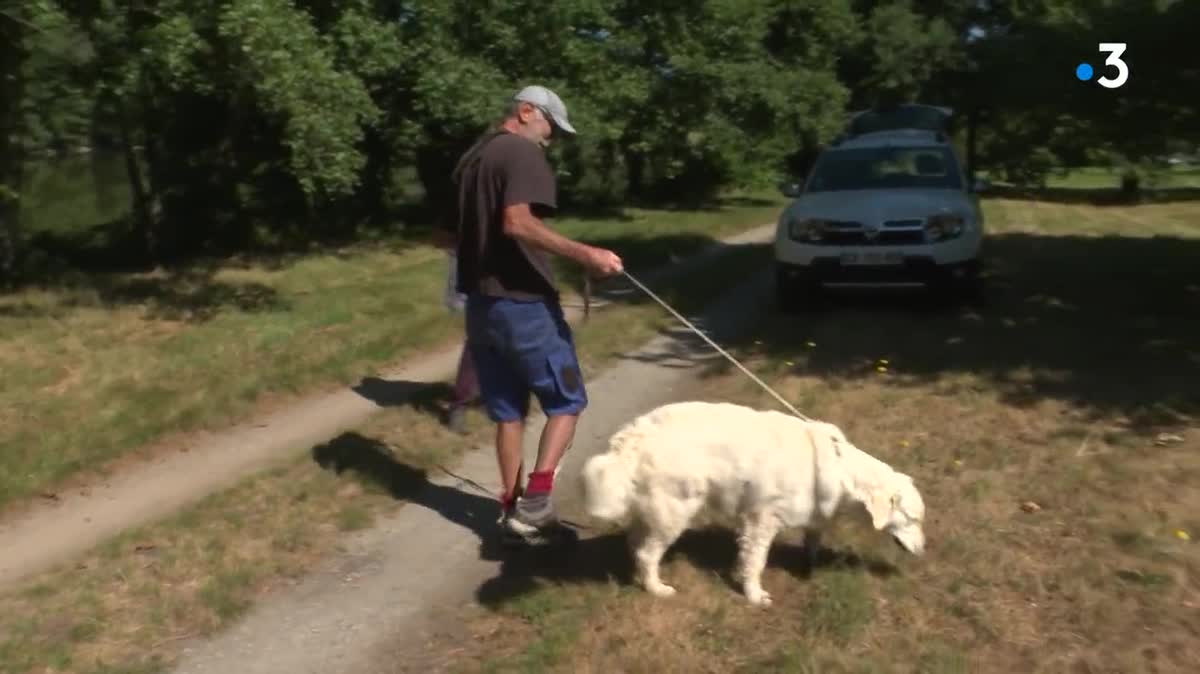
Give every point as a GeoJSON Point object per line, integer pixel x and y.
{"type": "Point", "coordinates": [549, 102]}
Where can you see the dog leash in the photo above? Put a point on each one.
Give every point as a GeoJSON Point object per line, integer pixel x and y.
{"type": "Point", "coordinates": [714, 345]}
{"type": "Point", "coordinates": [733, 360]}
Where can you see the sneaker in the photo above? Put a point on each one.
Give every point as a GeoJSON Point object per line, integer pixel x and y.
{"type": "Point", "coordinates": [505, 513]}
{"type": "Point", "coordinates": [531, 515]}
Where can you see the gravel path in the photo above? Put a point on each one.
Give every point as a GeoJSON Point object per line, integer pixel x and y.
{"type": "Point", "coordinates": [372, 609]}
{"type": "Point", "coordinates": [50, 533]}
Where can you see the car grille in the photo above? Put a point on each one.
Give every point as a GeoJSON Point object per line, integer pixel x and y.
{"type": "Point", "coordinates": [915, 223]}
{"type": "Point", "coordinates": [837, 237]}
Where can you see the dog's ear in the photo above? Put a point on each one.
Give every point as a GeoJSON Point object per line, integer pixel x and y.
{"type": "Point", "coordinates": [879, 505]}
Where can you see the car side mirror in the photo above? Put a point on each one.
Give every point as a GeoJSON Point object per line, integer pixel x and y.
{"type": "Point", "coordinates": [981, 185]}
{"type": "Point", "coordinates": [791, 190]}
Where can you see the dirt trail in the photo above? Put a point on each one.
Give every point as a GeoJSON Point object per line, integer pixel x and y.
{"type": "Point", "coordinates": [372, 609]}
{"type": "Point", "coordinates": [49, 534]}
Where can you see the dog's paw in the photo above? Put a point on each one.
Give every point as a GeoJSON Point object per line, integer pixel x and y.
{"type": "Point", "coordinates": [661, 590]}
{"type": "Point", "coordinates": [758, 597]}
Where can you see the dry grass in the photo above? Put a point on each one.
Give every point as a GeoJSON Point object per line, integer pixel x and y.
{"type": "Point", "coordinates": [129, 606]}
{"type": "Point", "coordinates": [1053, 433]}
{"type": "Point", "coordinates": [110, 367]}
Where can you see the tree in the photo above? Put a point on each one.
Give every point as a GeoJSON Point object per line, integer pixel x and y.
{"type": "Point", "coordinates": [729, 96]}
{"type": "Point", "coordinates": [1042, 117]}
{"type": "Point", "coordinates": [14, 23]}
{"type": "Point", "coordinates": [225, 112]}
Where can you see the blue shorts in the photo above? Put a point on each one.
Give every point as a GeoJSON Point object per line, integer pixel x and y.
{"type": "Point", "coordinates": [522, 347]}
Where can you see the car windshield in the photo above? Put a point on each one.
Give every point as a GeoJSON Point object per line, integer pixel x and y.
{"type": "Point", "coordinates": [885, 168]}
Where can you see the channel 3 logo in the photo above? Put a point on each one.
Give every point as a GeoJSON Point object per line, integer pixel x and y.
{"type": "Point", "coordinates": [1084, 72]}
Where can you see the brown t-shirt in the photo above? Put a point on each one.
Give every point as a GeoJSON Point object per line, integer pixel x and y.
{"type": "Point", "coordinates": [500, 170]}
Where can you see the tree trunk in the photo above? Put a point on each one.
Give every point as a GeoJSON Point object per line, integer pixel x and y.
{"type": "Point", "coordinates": [159, 242]}
{"type": "Point", "coordinates": [635, 163]}
{"type": "Point", "coordinates": [12, 57]}
{"type": "Point", "coordinates": [972, 149]}
{"type": "Point", "coordinates": [372, 195]}
{"type": "Point", "coordinates": [137, 115]}
{"type": "Point", "coordinates": [1131, 186]}
{"type": "Point", "coordinates": [434, 164]}
{"type": "Point", "coordinates": [143, 215]}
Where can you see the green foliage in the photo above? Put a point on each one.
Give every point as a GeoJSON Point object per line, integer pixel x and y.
{"type": "Point", "coordinates": [176, 55]}
{"type": "Point", "coordinates": [238, 115]}
{"type": "Point", "coordinates": [56, 105]}
{"type": "Point", "coordinates": [907, 49]}
{"type": "Point", "coordinates": [370, 48]}
{"type": "Point", "coordinates": [1034, 109]}
{"type": "Point", "coordinates": [730, 96]}
{"type": "Point", "coordinates": [277, 53]}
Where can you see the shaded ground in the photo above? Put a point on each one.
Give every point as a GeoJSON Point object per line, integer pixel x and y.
{"type": "Point", "coordinates": [373, 609]}
{"type": "Point", "coordinates": [1109, 324]}
{"type": "Point", "coordinates": [1095, 196]}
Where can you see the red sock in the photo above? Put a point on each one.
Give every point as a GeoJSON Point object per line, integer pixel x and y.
{"type": "Point", "coordinates": [540, 482]}
{"type": "Point", "coordinates": [506, 500]}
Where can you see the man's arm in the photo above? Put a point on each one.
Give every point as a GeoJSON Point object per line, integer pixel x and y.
{"type": "Point", "coordinates": [530, 181]}
{"type": "Point", "coordinates": [520, 223]}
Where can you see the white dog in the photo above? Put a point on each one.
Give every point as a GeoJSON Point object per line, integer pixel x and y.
{"type": "Point", "coordinates": [765, 470]}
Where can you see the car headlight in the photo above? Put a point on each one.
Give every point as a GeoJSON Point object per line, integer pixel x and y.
{"type": "Point", "coordinates": [944, 226]}
{"type": "Point", "coordinates": [806, 229]}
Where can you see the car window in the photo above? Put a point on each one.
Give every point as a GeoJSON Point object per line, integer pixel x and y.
{"type": "Point", "coordinates": [885, 168]}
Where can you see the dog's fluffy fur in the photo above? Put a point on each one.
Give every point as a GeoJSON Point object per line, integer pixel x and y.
{"type": "Point", "coordinates": [764, 470]}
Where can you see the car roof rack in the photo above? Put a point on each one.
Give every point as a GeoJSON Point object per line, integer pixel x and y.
{"type": "Point", "coordinates": [938, 135]}
{"type": "Point", "coordinates": [913, 116]}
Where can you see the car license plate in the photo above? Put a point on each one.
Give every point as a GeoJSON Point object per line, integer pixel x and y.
{"type": "Point", "coordinates": [873, 257]}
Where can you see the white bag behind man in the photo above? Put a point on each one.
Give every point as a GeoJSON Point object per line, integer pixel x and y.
{"type": "Point", "coordinates": [454, 300]}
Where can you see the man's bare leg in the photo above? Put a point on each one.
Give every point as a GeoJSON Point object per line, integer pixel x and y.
{"type": "Point", "coordinates": [510, 436]}
{"type": "Point", "coordinates": [535, 510]}
{"type": "Point", "coordinates": [556, 437]}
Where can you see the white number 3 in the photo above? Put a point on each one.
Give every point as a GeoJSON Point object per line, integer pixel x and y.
{"type": "Point", "coordinates": [1114, 49]}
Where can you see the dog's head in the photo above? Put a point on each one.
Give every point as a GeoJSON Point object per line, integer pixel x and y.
{"type": "Point", "coordinates": [892, 499]}
{"type": "Point", "coordinates": [897, 508]}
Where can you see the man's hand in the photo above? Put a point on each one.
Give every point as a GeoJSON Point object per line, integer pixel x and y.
{"type": "Point", "coordinates": [603, 262]}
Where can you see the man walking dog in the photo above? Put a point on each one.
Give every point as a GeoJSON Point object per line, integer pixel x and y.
{"type": "Point", "coordinates": [516, 333]}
